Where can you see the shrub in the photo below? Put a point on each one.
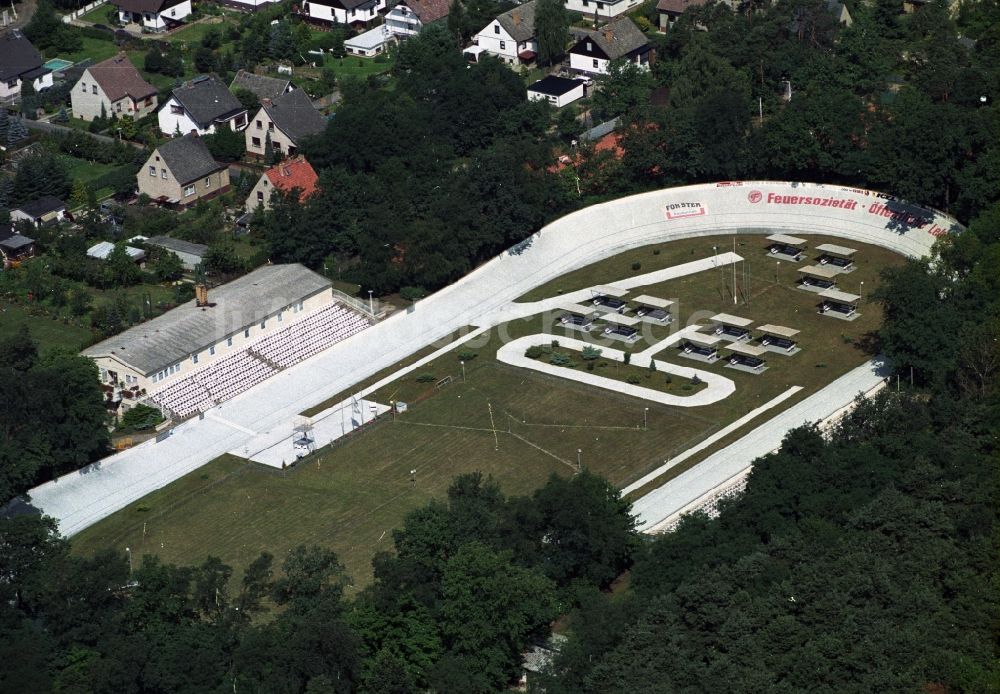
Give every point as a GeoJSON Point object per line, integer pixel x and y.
{"type": "Point", "coordinates": [669, 379]}
{"type": "Point", "coordinates": [467, 355]}
{"type": "Point", "coordinates": [533, 352]}
{"type": "Point", "coordinates": [425, 378]}
{"type": "Point", "coordinates": [633, 379]}
{"type": "Point", "coordinates": [141, 417]}
{"type": "Point", "coordinates": [555, 344]}
{"type": "Point", "coordinates": [590, 366]}
{"type": "Point", "coordinates": [627, 359]}
{"type": "Point", "coordinates": [821, 365]}
{"type": "Point", "coordinates": [590, 353]}
{"type": "Point", "coordinates": [695, 380]}
{"type": "Point", "coordinates": [560, 359]}
{"type": "Point", "coordinates": [412, 293]}
{"type": "Point", "coordinates": [637, 265]}
{"type": "Point", "coordinates": [656, 251]}
{"type": "Point", "coordinates": [686, 386]}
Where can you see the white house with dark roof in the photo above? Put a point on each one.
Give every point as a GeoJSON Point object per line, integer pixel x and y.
{"type": "Point", "coordinates": [261, 86]}
{"type": "Point", "coordinates": [617, 40]}
{"type": "Point", "coordinates": [286, 121]}
{"type": "Point", "coordinates": [511, 36]}
{"type": "Point", "coordinates": [44, 210]}
{"type": "Point", "coordinates": [190, 254]}
{"type": "Point", "coordinates": [349, 12]}
{"type": "Point", "coordinates": [19, 61]}
{"type": "Point", "coordinates": [201, 106]}
{"type": "Point", "coordinates": [409, 17]}
{"type": "Point", "coordinates": [603, 9]}
{"type": "Point", "coordinates": [114, 87]}
{"type": "Point", "coordinates": [181, 172]}
{"type": "Point", "coordinates": [153, 15]}
{"type": "Point", "coordinates": [558, 91]}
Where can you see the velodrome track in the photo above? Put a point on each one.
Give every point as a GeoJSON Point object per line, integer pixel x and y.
{"type": "Point", "coordinates": [482, 298]}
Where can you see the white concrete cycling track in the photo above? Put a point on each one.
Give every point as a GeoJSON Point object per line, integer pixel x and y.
{"type": "Point", "coordinates": [79, 499]}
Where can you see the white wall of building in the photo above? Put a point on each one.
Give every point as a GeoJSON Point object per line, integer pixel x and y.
{"type": "Point", "coordinates": [156, 21]}
{"type": "Point", "coordinates": [558, 101]}
{"type": "Point", "coordinates": [341, 16]}
{"type": "Point", "coordinates": [11, 89]}
{"type": "Point", "coordinates": [602, 8]}
{"type": "Point", "coordinates": [401, 21]}
{"type": "Point", "coordinates": [496, 41]}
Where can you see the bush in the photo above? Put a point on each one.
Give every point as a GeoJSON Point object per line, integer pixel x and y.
{"type": "Point", "coordinates": [695, 380]}
{"type": "Point", "coordinates": [637, 265]}
{"type": "Point", "coordinates": [633, 379]}
{"type": "Point", "coordinates": [555, 344]}
{"type": "Point", "coordinates": [412, 293]}
{"type": "Point", "coordinates": [425, 378]}
{"type": "Point", "coordinates": [627, 359]}
{"type": "Point", "coordinates": [467, 355]}
{"type": "Point", "coordinates": [686, 386]}
{"type": "Point", "coordinates": [533, 352]}
{"type": "Point", "coordinates": [656, 251]}
{"type": "Point", "coordinates": [141, 417]}
{"type": "Point", "coordinates": [560, 359]}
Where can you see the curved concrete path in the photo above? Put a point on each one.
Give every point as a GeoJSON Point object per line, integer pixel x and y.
{"type": "Point", "coordinates": [82, 498]}
{"type": "Point", "coordinates": [719, 387]}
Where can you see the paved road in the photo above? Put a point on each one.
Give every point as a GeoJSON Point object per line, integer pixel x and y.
{"type": "Point", "coordinates": [662, 505]}
{"type": "Point", "coordinates": [484, 297]}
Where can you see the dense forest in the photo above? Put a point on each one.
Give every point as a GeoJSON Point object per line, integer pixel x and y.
{"type": "Point", "coordinates": [435, 168]}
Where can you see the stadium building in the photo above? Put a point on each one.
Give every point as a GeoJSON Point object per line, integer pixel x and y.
{"type": "Point", "coordinates": [226, 340]}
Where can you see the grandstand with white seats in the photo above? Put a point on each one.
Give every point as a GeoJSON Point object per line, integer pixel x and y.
{"type": "Point", "coordinates": [198, 355]}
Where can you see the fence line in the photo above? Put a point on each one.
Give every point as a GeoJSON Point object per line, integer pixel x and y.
{"type": "Point", "coordinates": [76, 14]}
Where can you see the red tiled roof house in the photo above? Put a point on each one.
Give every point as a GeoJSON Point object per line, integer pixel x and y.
{"type": "Point", "coordinates": [291, 174]}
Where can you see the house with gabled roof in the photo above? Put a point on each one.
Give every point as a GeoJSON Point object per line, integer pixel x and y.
{"type": "Point", "coordinates": [286, 122]}
{"type": "Point", "coordinates": [261, 86]}
{"type": "Point", "coordinates": [669, 11]}
{"type": "Point", "coordinates": [355, 13]}
{"type": "Point", "coordinates": [20, 62]}
{"type": "Point", "coordinates": [287, 177]}
{"type": "Point", "coordinates": [409, 17]}
{"type": "Point", "coordinates": [511, 36]}
{"type": "Point", "coordinates": [115, 87]}
{"type": "Point", "coordinates": [201, 106]}
{"type": "Point", "coordinates": [153, 15]}
{"type": "Point", "coordinates": [14, 246]}
{"type": "Point", "coordinates": [617, 40]}
{"type": "Point", "coordinates": [602, 9]}
{"type": "Point", "coordinates": [181, 172]}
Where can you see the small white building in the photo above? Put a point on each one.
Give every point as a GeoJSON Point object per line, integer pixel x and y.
{"type": "Point", "coordinates": [113, 87]}
{"type": "Point", "coordinates": [620, 39]}
{"type": "Point", "coordinates": [20, 62]}
{"type": "Point", "coordinates": [101, 251]}
{"type": "Point", "coordinates": [356, 13]}
{"type": "Point", "coordinates": [370, 43]}
{"type": "Point", "coordinates": [201, 106]}
{"type": "Point", "coordinates": [558, 91]}
{"type": "Point", "coordinates": [409, 17]}
{"type": "Point", "coordinates": [153, 15]}
{"type": "Point", "coordinates": [44, 210]}
{"type": "Point", "coordinates": [602, 9]}
{"type": "Point", "coordinates": [190, 254]}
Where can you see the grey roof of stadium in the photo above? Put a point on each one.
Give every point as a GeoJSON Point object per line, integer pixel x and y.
{"type": "Point", "coordinates": [186, 330]}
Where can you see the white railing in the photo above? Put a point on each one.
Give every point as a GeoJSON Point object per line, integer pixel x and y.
{"type": "Point", "coordinates": [373, 310]}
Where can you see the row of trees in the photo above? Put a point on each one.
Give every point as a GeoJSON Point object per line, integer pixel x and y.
{"type": "Point", "coordinates": [473, 581]}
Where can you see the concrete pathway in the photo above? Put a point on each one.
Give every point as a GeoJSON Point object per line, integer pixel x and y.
{"type": "Point", "coordinates": [82, 498]}
{"type": "Point", "coordinates": [718, 387]}
{"type": "Point", "coordinates": [663, 505]}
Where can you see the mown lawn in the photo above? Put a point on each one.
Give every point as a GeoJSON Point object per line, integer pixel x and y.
{"type": "Point", "coordinates": [49, 332]}
{"type": "Point", "coordinates": [93, 48]}
{"type": "Point", "coordinates": [517, 425]}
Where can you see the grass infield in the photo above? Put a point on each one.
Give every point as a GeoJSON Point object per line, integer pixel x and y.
{"type": "Point", "coordinates": [516, 425]}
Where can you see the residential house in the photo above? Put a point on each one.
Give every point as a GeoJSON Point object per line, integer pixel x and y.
{"type": "Point", "coordinates": [190, 254]}
{"type": "Point", "coordinates": [201, 106]}
{"type": "Point", "coordinates": [246, 5]}
{"type": "Point", "coordinates": [101, 251]}
{"type": "Point", "coordinates": [356, 13]}
{"type": "Point", "coordinates": [261, 86]}
{"type": "Point", "coordinates": [45, 210]}
{"type": "Point", "coordinates": [602, 9]}
{"type": "Point", "coordinates": [113, 87]}
{"type": "Point", "coordinates": [669, 11]}
{"type": "Point", "coordinates": [370, 43]}
{"type": "Point", "coordinates": [19, 61]}
{"type": "Point", "coordinates": [558, 91]}
{"type": "Point", "coordinates": [181, 172]}
{"type": "Point", "coordinates": [153, 15]}
{"type": "Point", "coordinates": [15, 246]}
{"type": "Point", "coordinates": [286, 121]}
{"type": "Point", "coordinates": [290, 175]}
{"type": "Point", "coordinates": [511, 36]}
{"type": "Point", "coordinates": [617, 40]}
{"type": "Point", "coordinates": [409, 17]}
